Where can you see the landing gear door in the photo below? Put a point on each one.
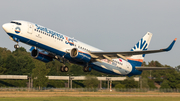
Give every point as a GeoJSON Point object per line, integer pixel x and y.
{"type": "Point", "coordinates": [30, 28]}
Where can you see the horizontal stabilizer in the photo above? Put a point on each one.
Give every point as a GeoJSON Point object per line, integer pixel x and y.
{"type": "Point", "coordinates": [152, 68]}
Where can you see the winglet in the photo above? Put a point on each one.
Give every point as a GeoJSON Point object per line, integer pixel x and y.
{"type": "Point", "coordinates": [170, 46]}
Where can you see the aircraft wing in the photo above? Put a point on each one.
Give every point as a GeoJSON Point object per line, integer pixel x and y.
{"type": "Point", "coordinates": [152, 68]}
{"type": "Point", "coordinates": [102, 55]}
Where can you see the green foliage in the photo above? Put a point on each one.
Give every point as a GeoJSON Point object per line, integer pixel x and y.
{"type": "Point", "coordinates": [39, 75]}
{"type": "Point", "coordinates": [155, 64]}
{"type": "Point", "coordinates": [25, 64]}
{"type": "Point", "coordinates": [165, 84]}
{"type": "Point", "coordinates": [151, 84]}
{"type": "Point", "coordinates": [91, 82]}
{"type": "Point", "coordinates": [144, 63]}
{"type": "Point", "coordinates": [178, 86]}
{"type": "Point", "coordinates": [171, 80]}
{"type": "Point", "coordinates": [177, 68]}
{"type": "Point", "coordinates": [4, 52]}
{"type": "Point", "coordinates": [56, 83]}
{"type": "Point", "coordinates": [130, 83]}
{"type": "Point", "coordinates": [54, 67]}
{"type": "Point", "coordinates": [13, 83]}
{"type": "Point", "coordinates": [145, 83]}
{"type": "Point", "coordinates": [19, 51]}
{"type": "Point", "coordinates": [11, 65]}
{"type": "Point", "coordinates": [120, 86]}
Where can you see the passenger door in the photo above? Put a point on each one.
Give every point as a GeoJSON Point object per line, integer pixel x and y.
{"type": "Point", "coordinates": [30, 28]}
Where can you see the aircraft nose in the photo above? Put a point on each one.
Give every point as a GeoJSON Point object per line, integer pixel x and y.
{"type": "Point", "coordinates": [6, 27]}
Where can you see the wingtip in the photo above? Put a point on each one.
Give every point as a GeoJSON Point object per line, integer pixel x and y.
{"type": "Point", "coordinates": [171, 45]}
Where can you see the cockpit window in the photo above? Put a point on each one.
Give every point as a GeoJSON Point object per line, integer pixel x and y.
{"type": "Point", "coordinates": [16, 23]}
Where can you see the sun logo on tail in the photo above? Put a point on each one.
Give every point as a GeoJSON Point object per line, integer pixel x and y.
{"type": "Point", "coordinates": [140, 46]}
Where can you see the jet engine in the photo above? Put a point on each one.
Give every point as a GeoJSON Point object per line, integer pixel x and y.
{"type": "Point", "coordinates": [41, 55]}
{"type": "Point", "coordinates": [80, 55]}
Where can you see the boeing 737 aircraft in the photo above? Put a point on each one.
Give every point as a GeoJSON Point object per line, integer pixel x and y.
{"type": "Point", "coordinates": [48, 45]}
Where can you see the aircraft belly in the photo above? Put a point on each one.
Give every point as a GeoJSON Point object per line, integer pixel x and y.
{"type": "Point", "coordinates": [121, 70]}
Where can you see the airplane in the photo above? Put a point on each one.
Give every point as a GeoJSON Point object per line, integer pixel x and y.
{"type": "Point", "coordinates": [48, 45]}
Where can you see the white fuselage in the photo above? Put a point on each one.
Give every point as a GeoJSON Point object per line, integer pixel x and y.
{"type": "Point", "coordinates": [60, 45]}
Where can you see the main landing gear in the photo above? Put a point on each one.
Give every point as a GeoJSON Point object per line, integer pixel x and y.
{"type": "Point", "coordinates": [87, 69]}
{"type": "Point", "coordinates": [64, 68]}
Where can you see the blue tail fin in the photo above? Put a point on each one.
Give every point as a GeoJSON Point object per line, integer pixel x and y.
{"type": "Point", "coordinates": [140, 46]}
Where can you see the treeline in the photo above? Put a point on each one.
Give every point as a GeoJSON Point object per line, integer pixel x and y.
{"type": "Point", "coordinates": [20, 62]}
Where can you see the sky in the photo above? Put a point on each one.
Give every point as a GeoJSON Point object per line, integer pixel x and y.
{"type": "Point", "coordinates": [110, 25]}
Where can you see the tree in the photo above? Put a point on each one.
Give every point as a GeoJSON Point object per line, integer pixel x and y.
{"type": "Point", "coordinates": [177, 68]}
{"type": "Point", "coordinates": [155, 64]}
{"type": "Point", "coordinates": [4, 52]}
{"type": "Point", "coordinates": [91, 82]}
{"type": "Point", "coordinates": [178, 86]}
{"type": "Point", "coordinates": [2, 69]}
{"type": "Point", "coordinates": [25, 64]}
{"type": "Point", "coordinates": [21, 49]}
{"type": "Point", "coordinates": [130, 83]}
{"type": "Point", "coordinates": [172, 80]}
{"type": "Point", "coordinates": [39, 74]}
{"type": "Point", "coordinates": [151, 84]}
{"type": "Point", "coordinates": [118, 86]}
{"type": "Point", "coordinates": [145, 83]}
{"type": "Point", "coordinates": [144, 63]}
{"type": "Point", "coordinates": [165, 84]}
{"type": "Point", "coordinates": [11, 65]}
{"type": "Point", "coordinates": [54, 67]}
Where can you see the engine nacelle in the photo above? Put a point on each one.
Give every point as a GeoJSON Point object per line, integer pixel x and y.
{"type": "Point", "coordinates": [80, 55]}
{"type": "Point", "coordinates": [41, 55]}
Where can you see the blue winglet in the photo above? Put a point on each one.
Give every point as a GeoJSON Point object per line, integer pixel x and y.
{"type": "Point", "coordinates": [170, 46]}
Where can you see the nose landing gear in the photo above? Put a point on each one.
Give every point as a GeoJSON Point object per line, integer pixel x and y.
{"type": "Point", "coordinates": [16, 46]}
